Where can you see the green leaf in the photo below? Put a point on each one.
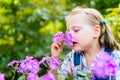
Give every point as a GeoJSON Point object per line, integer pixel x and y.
{"type": "Point", "coordinates": [21, 77]}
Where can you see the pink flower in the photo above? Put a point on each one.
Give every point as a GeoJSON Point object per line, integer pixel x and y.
{"type": "Point", "coordinates": [64, 38]}
{"type": "Point", "coordinates": [58, 37]}
{"type": "Point", "coordinates": [49, 76]}
{"type": "Point", "coordinates": [68, 39]}
{"type": "Point", "coordinates": [14, 63]}
{"type": "Point", "coordinates": [104, 66]}
{"type": "Point", "coordinates": [52, 62]}
{"type": "Point", "coordinates": [29, 65]}
{"type": "Point", "coordinates": [2, 76]}
{"type": "Point", "coordinates": [32, 76]}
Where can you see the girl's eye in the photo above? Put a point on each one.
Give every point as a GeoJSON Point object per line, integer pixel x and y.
{"type": "Point", "coordinates": [76, 30]}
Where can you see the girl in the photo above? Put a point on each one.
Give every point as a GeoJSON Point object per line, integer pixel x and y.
{"type": "Point", "coordinates": [91, 38]}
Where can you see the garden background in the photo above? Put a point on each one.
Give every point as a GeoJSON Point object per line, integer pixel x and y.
{"type": "Point", "coordinates": [27, 26]}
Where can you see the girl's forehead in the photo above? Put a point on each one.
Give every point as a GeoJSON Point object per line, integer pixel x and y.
{"type": "Point", "coordinates": [77, 15]}
{"type": "Point", "coordinates": [76, 20]}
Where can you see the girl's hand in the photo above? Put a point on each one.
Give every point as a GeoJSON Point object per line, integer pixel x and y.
{"type": "Point", "coordinates": [56, 48]}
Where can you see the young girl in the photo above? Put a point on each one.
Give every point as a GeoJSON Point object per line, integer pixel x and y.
{"type": "Point", "coordinates": [91, 38]}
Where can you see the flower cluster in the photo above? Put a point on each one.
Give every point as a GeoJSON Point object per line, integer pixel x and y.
{"type": "Point", "coordinates": [104, 66]}
{"type": "Point", "coordinates": [68, 39]}
{"type": "Point", "coordinates": [58, 37]}
{"type": "Point", "coordinates": [64, 38]}
{"type": "Point", "coordinates": [49, 76]}
{"type": "Point", "coordinates": [31, 67]}
{"type": "Point", "coordinates": [53, 64]}
{"type": "Point", "coordinates": [14, 64]}
{"type": "Point", "coordinates": [2, 76]}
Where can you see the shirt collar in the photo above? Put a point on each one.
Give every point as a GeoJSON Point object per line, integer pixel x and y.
{"type": "Point", "coordinates": [92, 64]}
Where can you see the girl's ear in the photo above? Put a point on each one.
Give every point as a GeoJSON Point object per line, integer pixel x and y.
{"type": "Point", "coordinates": [96, 31]}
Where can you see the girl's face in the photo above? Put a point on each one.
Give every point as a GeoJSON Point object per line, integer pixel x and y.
{"type": "Point", "coordinates": [82, 31]}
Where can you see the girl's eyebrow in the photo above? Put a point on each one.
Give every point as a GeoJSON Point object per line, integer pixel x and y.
{"type": "Point", "coordinates": [75, 27]}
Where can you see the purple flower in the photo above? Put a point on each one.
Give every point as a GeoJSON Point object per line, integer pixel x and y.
{"type": "Point", "coordinates": [47, 58]}
{"type": "Point", "coordinates": [52, 62]}
{"type": "Point", "coordinates": [49, 76]}
{"type": "Point", "coordinates": [104, 66]}
{"type": "Point", "coordinates": [29, 65]}
{"type": "Point", "coordinates": [64, 38]}
{"type": "Point", "coordinates": [59, 37]}
{"type": "Point", "coordinates": [92, 77]}
{"type": "Point", "coordinates": [14, 63]}
{"type": "Point", "coordinates": [32, 76]}
{"type": "Point", "coordinates": [68, 39]}
{"type": "Point", "coordinates": [2, 76]}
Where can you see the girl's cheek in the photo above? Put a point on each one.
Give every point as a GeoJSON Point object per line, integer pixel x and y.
{"type": "Point", "coordinates": [72, 32]}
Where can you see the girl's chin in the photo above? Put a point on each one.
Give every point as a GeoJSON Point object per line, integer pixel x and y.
{"type": "Point", "coordinates": [76, 49]}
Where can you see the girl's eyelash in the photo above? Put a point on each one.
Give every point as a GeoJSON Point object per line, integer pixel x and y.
{"type": "Point", "coordinates": [76, 30]}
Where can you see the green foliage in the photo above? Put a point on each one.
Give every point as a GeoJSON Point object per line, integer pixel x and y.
{"type": "Point", "coordinates": [114, 18]}
{"type": "Point", "coordinates": [102, 5]}
{"type": "Point", "coordinates": [26, 29]}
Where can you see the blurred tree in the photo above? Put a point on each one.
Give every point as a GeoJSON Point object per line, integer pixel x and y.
{"type": "Point", "coordinates": [27, 28]}
{"type": "Point", "coordinates": [102, 5]}
{"type": "Point", "coordinates": [114, 18]}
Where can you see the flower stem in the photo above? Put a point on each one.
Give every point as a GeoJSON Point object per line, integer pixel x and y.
{"type": "Point", "coordinates": [14, 73]}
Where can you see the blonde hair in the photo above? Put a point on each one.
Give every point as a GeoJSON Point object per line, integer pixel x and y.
{"type": "Point", "coordinates": [94, 17]}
